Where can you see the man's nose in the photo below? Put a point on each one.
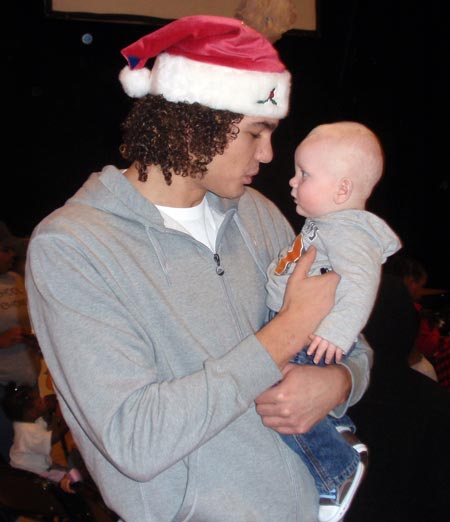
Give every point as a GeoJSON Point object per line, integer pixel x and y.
{"type": "Point", "coordinates": [264, 154]}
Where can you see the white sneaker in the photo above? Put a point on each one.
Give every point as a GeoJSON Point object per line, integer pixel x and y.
{"type": "Point", "coordinates": [333, 510]}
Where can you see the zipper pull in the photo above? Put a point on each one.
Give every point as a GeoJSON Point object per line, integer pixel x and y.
{"type": "Point", "coordinates": [219, 269]}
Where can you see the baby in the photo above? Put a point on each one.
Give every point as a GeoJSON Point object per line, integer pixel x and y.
{"type": "Point", "coordinates": [336, 169]}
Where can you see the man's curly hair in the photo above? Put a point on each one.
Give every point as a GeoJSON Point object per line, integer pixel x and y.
{"type": "Point", "coordinates": [181, 138]}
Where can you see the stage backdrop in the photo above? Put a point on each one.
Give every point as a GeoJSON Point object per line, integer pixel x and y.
{"type": "Point", "coordinates": [171, 9]}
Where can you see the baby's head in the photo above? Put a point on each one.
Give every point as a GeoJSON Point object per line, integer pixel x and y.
{"type": "Point", "coordinates": [337, 166]}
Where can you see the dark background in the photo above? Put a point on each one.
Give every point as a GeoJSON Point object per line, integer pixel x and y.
{"type": "Point", "coordinates": [384, 63]}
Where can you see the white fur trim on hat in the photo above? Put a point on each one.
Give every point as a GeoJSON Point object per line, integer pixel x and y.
{"type": "Point", "coordinates": [180, 79]}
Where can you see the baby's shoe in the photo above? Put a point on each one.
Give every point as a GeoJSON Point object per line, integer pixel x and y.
{"type": "Point", "coordinates": [333, 509]}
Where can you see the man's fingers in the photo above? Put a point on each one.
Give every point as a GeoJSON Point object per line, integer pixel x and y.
{"type": "Point", "coordinates": [288, 368]}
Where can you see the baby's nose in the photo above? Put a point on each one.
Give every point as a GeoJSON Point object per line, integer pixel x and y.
{"type": "Point", "coordinates": [293, 182]}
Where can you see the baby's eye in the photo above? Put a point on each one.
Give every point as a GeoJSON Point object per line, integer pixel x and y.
{"type": "Point", "coordinates": [304, 174]}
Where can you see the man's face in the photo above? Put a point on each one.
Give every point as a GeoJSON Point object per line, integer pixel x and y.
{"type": "Point", "coordinates": [229, 172]}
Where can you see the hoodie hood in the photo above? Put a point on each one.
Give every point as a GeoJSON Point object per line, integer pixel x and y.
{"type": "Point", "coordinates": [110, 191]}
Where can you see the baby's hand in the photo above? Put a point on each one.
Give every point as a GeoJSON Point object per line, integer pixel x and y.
{"type": "Point", "coordinates": [321, 347]}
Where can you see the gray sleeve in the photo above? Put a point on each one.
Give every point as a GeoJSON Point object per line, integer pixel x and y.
{"type": "Point", "coordinates": [359, 364]}
{"type": "Point", "coordinates": [106, 373]}
{"type": "Point", "coordinates": [356, 255]}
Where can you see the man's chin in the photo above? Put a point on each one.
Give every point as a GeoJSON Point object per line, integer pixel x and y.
{"type": "Point", "coordinates": [231, 194]}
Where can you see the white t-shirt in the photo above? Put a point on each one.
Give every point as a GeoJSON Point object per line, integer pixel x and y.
{"type": "Point", "coordinates": [201, 222]}
{"type": "Point", "coordinates": [32, 446]}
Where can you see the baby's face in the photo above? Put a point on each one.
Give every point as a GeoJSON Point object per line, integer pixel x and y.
{"type": "Point", "coordinates": [315, 182]}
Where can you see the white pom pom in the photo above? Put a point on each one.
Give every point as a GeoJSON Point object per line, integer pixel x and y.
{"type": "Point", "coordinates": [136, 82]}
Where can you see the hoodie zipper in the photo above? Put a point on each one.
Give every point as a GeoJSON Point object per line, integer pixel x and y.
{"type": "Point", "coordinates": [219, 268]}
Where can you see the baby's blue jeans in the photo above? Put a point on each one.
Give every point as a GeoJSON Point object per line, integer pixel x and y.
{"type": "Point", "coordinates": [329, 458]}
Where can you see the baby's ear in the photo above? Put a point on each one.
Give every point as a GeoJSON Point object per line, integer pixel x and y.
{"type": "Point", "coordinates": [344, 190]}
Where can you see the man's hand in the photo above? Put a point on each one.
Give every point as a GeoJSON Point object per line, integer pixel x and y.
{"type": "Point", "coordinates": [304, 397]}
{"type": "Point", "coordinates": [306, 301]}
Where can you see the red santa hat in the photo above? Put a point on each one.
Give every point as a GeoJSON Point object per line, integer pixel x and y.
{"type": "Point", "coordinates": [215, 61]}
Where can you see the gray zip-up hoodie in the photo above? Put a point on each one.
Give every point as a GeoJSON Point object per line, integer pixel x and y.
{"type": "Point", "coordinates": [155, 360]}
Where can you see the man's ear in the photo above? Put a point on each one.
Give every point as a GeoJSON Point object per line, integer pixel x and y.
{"type": "Point", "coordinates": [344, 190]}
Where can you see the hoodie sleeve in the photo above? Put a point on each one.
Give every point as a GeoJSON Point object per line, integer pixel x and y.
{"type": "Point", "coordinates": [106, 372]}
{"type": "Point", "coordinates": [356, 249]}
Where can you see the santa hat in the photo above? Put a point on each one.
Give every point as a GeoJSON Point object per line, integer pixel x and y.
{"type": "Point", "coordinates": [215, 61]}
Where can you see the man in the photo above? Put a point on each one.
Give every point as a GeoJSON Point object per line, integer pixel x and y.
{"type": "Point", "coordinates": [147, 295]}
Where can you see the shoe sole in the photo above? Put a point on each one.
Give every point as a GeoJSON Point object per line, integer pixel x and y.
{"type": "Point", "coordinates": [334, 513]}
